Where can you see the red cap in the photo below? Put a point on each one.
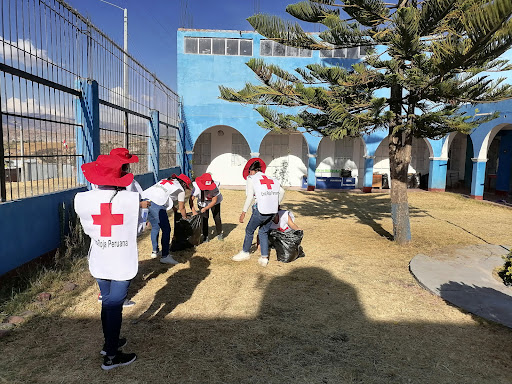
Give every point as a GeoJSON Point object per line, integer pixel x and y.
{"type": "Point", "coordinates": [183, 178]}
{"type": "Point", "coordinates": [263, 166]}
{"type": "Point", "coordinates": [124, 156]}
{"type": "Point", "coordinates": [107, 170]}
{"type": "Point", "coordinates": [205, 182]}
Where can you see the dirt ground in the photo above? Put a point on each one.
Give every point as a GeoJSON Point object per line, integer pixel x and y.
{"type": "Point", "coordinates": [349, 312]}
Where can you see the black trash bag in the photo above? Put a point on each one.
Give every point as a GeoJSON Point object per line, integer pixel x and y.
{"type": "Point", "coordinates": [286, 244]}
{"type": "Point", "coordinates": [187, 233]}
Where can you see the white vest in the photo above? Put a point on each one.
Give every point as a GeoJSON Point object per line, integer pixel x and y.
{"type": "Point", "coordinates": [266, 191]}
{"type": "Point", "coordinates": [160, 192]}
{"type": "Point", "coordinates": [208, 195]}
{"type": "Point", "coordinates": [112, 225]}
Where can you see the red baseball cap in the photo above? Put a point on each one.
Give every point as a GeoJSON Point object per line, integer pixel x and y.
{"type": "Point", "coordinates": [263, 166]}
{"type": "Point", "coordinates": [107, 170]}
{"type": "Point", "coordinates": [183, 178]}
{"type": "Point", "coordinates": [205, 182]}
{"type": "Point", "coordinates": [124, 155]}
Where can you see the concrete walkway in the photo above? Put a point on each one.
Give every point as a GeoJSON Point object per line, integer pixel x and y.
{"type": "Point", "coordinates": [463, 277]}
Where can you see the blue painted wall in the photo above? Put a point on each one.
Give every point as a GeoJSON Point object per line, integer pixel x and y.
{"type": "Point", "coordinates": [30, 227]}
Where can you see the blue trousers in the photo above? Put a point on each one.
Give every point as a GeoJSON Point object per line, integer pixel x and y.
{"type": "Point", "coordinates": [113, 293]}
{"type": "Point", "coordinates": [158, 219]}
{"type": "Point", "coordinates": [262, 222]}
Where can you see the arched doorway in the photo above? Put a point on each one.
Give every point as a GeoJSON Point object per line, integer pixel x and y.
{"type": "Point", "coordinates": [459, 167]}
{"type": "Point", "coordinates": [418, 167]}
{"type": "Point", "coordinates": [498, 170]}
{"type": "Point", "coordinates": [222, 151]}
{"type": "Point", "coordinates": [286, 156]}
{"type": "Point", "coordinates": [344, 155]}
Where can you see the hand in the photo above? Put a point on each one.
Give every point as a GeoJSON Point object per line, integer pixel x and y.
{"type": "Point", "coordinates": [203, 210]}
{"type": "Point", "coordinates": [242, 217]}
{"type": "Point", "coordinates": [194, 212]}
{"type": "Point", "coordinates": [145, 204]}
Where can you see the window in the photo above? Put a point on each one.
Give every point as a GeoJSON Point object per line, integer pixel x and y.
{"type": "Point", "coordinates": [232, 47]}
{"type": "Point", "coordinates": [343, 153]}
{"type": "Point", "coordinates": [278, 49]}
{"type": "Point", "coordinates": [266, 47]}
{"type": "Point", "coordinates": [353, 53]}
{"type": "Point", "coordinates": [246, 47]}
{"type": "Point", "coordinates": [191, 44]}
{"type": "Point", "coordinates": [219, 46]}
{"type": "Point", "coordinates": [205, 46]}
{"type": "Point", "coordinates": [272, 48]}
{"type": "Point", "coordinates": [202, 149]}
{"type": "Point", "coordinates": [240, 151]}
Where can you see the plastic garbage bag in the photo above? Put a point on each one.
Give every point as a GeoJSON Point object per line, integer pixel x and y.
{"type": "Point", "coordinates": [187, 233]}
{"type": "Point", "coordinates": [286, 244]}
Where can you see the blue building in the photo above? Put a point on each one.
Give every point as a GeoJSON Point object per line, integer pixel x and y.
{"type": "Point", "coordinates": [223, 135]}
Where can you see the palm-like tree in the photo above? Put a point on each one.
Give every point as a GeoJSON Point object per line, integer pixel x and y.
{"type": "Point", "coordinates": [427, 58]}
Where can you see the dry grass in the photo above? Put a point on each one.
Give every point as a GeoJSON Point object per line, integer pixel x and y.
{"type": "Point", "coordinates": [349, 312]}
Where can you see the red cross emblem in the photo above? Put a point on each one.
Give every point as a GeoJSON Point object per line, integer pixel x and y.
{"type": "Point", "coordinates": [106, 219]}
{"type": "Point", "coordinates": [268, 182]}
{"type": "Point", "coordinates": [163, 182]}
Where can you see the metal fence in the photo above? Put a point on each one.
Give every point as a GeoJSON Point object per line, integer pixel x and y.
{"type": "Point", "coordinates": [47, 47]}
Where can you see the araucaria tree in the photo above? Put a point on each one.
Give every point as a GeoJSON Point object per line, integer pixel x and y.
{"type": "Point", "coordinates": [424, 60]}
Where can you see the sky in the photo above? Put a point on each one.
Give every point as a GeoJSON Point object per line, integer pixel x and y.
{"type": "Point", "coordinates": [152, 24]}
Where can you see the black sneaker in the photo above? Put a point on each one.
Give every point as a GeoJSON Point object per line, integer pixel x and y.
{"type": "Point", "coordinates": [120, 344]}
{"type": "Point", "coordinates": [118, 360]}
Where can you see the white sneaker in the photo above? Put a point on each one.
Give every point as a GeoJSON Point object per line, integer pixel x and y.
{"type": "Point", "coordinates": [168, 260]}
{"type": "Point", "coordinates": [241, 256]}
{"type": "Point", "coordinates": [263, 261]}
{"type": "Point", "coordinates": [154, 254]}
{"type": "Point", "coordinates": [128, 303]}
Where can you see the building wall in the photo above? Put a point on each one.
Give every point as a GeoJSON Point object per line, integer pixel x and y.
{"type": "Point", "coordinates": [199, 76]}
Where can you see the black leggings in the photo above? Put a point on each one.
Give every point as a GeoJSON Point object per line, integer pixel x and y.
{"type": "Point", "coordinates": [216, 217]}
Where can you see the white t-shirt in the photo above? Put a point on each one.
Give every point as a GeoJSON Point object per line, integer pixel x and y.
{"type": "Point", "coordinates": [165, 192]}
{"type": "Point", "coordinates": [110, 219]}
{"type": "Point", "coordinates": [282, 224]}
{"type": "Point", "coordinates": [208, 195]}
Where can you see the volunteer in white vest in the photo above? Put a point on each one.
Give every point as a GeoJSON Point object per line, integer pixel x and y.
{"type": "Point", "coordinates": [126, 158]}
{"type": "Point", "coordinates": [208, 196]}
{"type": "Point", "coordinates": [269, 194]}
{"type": "Point", "coordinates": [162, 196]}
{"type": "Point", "coordinates": [110, 215]}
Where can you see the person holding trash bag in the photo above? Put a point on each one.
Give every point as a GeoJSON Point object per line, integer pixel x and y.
{"type": "Point", "coordinates": [285, 237]}
{"type": "Point", "coordinates": [109, 216]}
{"type": "Point", "coordinates": [163, 195]}
{"type": "Point", "coordinates": [208, 196]}
{"type": "Point", "coordinates": [269, 194]}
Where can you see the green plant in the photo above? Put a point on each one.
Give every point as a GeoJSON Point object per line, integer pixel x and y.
{"type": "Point", "coordinates": [506, 271]}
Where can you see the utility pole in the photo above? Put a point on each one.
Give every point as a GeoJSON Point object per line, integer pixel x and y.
{"type": "Point", "coordinates": [126, 104]}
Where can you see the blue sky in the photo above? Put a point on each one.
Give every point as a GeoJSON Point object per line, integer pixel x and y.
{"type": "Point", "coordinates": [152, 24]}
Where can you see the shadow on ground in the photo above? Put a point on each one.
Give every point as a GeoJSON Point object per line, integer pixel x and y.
{"type": "Point", "coordinates": [368, 209]}
{"type": "Point", "coordinates": [310, 328]}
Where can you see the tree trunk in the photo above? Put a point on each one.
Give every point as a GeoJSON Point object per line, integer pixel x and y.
{"type": "Point", "coordinates": [399, 159]}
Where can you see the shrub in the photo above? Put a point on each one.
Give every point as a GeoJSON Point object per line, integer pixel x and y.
{"type": "Point", "coordinates": [506, 271]}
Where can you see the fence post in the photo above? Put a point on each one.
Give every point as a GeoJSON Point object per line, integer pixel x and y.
{"type": "Point", "coordinates": [153, 144]}
{"type": "Point", "coordinates": [3, 191]}
{"type": "Point", "coordinates": [88, 132]}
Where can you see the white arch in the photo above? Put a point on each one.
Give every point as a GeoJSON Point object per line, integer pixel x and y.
{"type": "Point", "coordinates": [484, 149]}
{"type": "Point", "coordinates": [326, 160]}
{"type": "Point", "coordinates": [224, 165]}
{"type": "Point", "coordinates": [291, 164]}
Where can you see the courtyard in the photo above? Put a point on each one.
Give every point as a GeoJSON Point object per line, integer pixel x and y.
{"type": "Point", "coordinates": [348, 312]}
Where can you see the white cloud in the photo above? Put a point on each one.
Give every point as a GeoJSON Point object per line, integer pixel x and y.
{"type": "Point", "coordinates": [23, 51]}
{"type": "Point", "coordinates": [31, 106]}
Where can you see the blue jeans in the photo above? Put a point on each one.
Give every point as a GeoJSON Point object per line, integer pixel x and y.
{"type": "Point", "coordinates": [158, 219]}
{"type": "Point", "coordinates": [263, 222]}
{"type": "Point", "coordinates": [113, 293]}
